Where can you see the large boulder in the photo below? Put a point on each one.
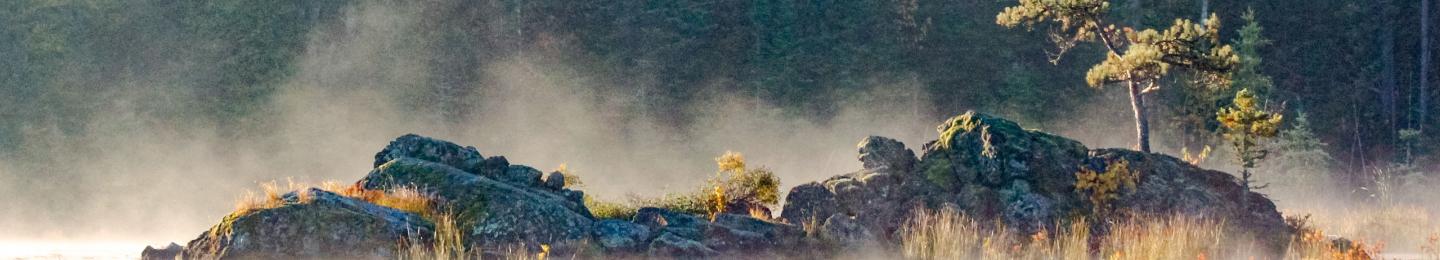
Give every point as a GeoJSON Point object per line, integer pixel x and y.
{"type": "Point", "coordinates": [991, 168]}
{"type": "Point", "coordinates": [666, 221]}
{"type": "Point", "coordinates": [996, 169]}
{"type": "Point", "coordinates": [620, 235]}
{"type": "Point", "coordinates": [681, 235]}
{"type": "Point", "coordinates": [878, 152]}
{"type": "Point", "coordinates": [730, 232]}
{"type": "Point", "coordinates": [169, 252]}
{"type": "Point", "coordinates": [1170, 185]}
{"type": "Point", "coordinates": [672, 245]}
{"type": "Point", "coordinates": [465, 158]}
{"type": "Point", "coordinates": [879, 197]}
{"type": "Point", "coordinates": [311, 224]}
{"type": "Point", "coordinates": [493, 212]}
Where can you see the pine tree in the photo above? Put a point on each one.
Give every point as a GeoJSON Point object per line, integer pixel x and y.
{"type": "Point", "coordinates": [1246, 126]}
{"type": "Point", "coordinates": [1138, 58]}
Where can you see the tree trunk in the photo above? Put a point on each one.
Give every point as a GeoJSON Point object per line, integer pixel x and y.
{"type": "Point", "coordinates": [1142, 121]}
{"type": "Point", "coordinates": [1424, 93]}
{"type": "Point", "coordinates": [1389, 86]}
{"type": "Point", "coordinates": [1204, 11]}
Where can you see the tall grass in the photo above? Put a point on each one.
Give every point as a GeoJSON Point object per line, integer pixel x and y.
{"type": "Point", "coordinates": [947, 234]}
{"type": "Point", "coordinates": [448, 242]}
{"type": "Point", "coordinates": [1176, 237]}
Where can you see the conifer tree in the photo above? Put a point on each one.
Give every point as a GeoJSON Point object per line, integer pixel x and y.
{"type": "Point", "coordinates": [1247, 73]}
{"type": "Point", "coordinates": [1300, 163]}
{"type": "Point", "coordinates": [1246, 126]}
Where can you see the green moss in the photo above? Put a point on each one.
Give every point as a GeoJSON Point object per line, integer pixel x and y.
{"type": "Point", "coordinates": [955, 126]}
{"type": "Point", "coordinates": [940, 171]}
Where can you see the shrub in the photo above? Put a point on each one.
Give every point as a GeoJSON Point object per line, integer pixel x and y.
{"type": "Point", "coordinates": [735, 185]}
{"type": "Point", "coordinates": [1103, 188]}
{"type": "Point", "coordinates": [1312, 243]}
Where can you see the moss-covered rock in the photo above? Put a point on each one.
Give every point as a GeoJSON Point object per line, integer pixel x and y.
{"type": "Point", "coordinates": [495, 213]}
{"type": "Point", "coordinates": [318, 225]}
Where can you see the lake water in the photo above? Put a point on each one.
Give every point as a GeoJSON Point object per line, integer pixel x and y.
{"type": "Point", "coordinates": [70, 250]}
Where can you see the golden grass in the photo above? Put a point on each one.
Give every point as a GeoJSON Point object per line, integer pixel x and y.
{"type": "Point", "coordinates": [946, 234]}
{"type": "Point", "coordinates": [1177, 237]}
{"type": "Point", "coordinates": [449, 242]}
{"type": "Point", "coordinates": [270, 196]}
{"type": "Point", "coordinates": [408, 199]}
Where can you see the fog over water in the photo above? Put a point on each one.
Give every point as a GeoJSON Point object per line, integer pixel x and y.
{"type": "Point", "coordinates": [138, 177]}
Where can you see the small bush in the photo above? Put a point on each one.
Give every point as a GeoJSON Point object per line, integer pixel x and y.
{"type": "Point", "coordinates": [1312, 243]}
{"type": "Point", "coordinates": [735, 185]}
{"type": "Point", "coordinates": [1103, 188]}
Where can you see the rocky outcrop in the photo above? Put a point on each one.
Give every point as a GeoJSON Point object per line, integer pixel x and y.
{"type": "Point", "coordinates": [991, 168]}
{"type": "Point", "coordinates": [988, 168]}
{"type": "Point", "coordinates": [315, 224]}
{"type": "Point", "coordinates": [498, 204]}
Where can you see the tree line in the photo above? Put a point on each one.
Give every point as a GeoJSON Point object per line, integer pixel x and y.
{"type": "Point", "coordinates": [1360, 72]}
